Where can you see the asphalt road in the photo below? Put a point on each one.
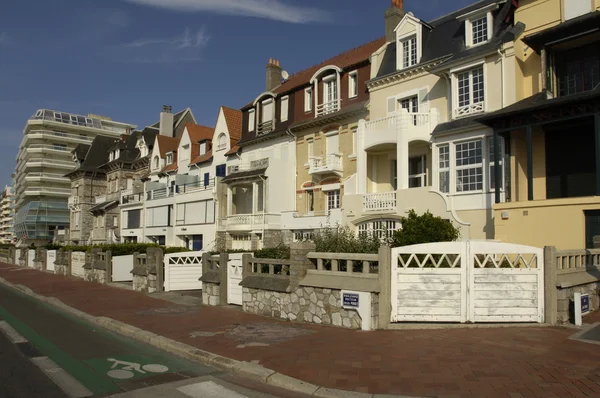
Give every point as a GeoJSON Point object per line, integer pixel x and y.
{"type": "Point", "coordinates": [99, 361]}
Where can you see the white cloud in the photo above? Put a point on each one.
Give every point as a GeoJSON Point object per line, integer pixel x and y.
{"type": "Point", "coordinates": [267, 9]}
{"type": "Point", "coordinates": [184, 48]}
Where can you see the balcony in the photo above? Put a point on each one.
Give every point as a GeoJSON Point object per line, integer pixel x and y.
{"type": "Point", "coordinates": [384, 201]}
{"type": "Point", "coordinates": [328, 107]}
{"type": "Point", "coordinates": [160, 193]}
{"type": "Point", "coordinates": [330, 163]}
{"type": "Point", "coordinates": [265, 127]}
{"type": "Point", "coordinates": [412, 125]}
{"type": "Point", "coordinates": [195, 187]}
{"type": "Point", "coordinates": [253, 165]}
{"type": "Point", "coordinates": [40, 148]}
{"type": "Point", "coordinates": [57, 136]}
{"type": "Point", "coordinates": [37, 191]}
{"type": "Point", "coordinates": [129, 197]}
{"type": "Point", "coordinates": [470, 109]}
{"type": "Point", "coordinates": [55, 164]}
{"type": "Point", "coordinates": [251, 221]}
{"type": "Point", "coordinates": [55, 177]}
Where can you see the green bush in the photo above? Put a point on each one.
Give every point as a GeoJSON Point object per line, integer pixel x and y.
{"type": "Point", "coordinates": [341, 239]}
{"type": "Point", "coordinates": [230, 251]}
{"type": "Point", "coordinates": [118, 249]}
{"type": "Point", "coordinates": [175, 249]}
{"type": "Point", "coordinates": [281, 252]}
{"type": "Point", "coordinates": [425, 228]}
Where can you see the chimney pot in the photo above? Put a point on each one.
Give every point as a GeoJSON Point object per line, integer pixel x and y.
{"type": "Point", "coordinates": [398, 3]}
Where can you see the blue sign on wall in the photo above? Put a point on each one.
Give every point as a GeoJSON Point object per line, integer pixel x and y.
{"type": "Point", "coordinates": [350, 300]}
{"type": "Point", "coordinates": [585, 303]}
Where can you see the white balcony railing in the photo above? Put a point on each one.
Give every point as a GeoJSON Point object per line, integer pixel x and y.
{"type": "Point", "coordinates": [327, 108]}
{"type": "Point", "coordinates": [160, 193]}
{"type": "Point", "coordinates": [412, 125]}
{"type": "Point", "coordinates": [100, 199]}
{"type": "Point", "coordinates": [252, 220]}
{"type": "Point", "coordinates": [330, 163]}
{"type": "Point", "coordinates": [265, 127]}
{"type": "Point", "coordinates": [469, 109]}
{"type": "Point", "coordinates": [383, 201]}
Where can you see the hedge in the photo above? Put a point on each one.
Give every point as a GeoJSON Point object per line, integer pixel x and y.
{"type": "Point", "coordinates": [122, 249]}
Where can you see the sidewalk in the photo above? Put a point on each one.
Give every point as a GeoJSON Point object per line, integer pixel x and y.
{"type": "Point", "coordinates": [487, 362]}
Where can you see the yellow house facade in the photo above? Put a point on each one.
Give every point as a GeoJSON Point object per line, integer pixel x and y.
{"type": "Point", "coordinates": [421, 147]}
{"type": "Point", "coordinates": [553, 130]}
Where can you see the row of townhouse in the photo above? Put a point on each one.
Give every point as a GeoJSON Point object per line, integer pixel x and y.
{"type": "Point", "coordinates": [488, 117]}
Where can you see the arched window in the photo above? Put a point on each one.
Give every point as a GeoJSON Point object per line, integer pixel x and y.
{"type": "Point", "coordinates": [222, 141]}
{"type": "Point", "coordinates": [156, 162]}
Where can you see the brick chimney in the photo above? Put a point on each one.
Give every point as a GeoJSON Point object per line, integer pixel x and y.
{"type": "Point", "coordinates": [273, 74]}
{"type": "Point", "coordinates": [166, 121]}
{"type": "Point", "coordinates": [393, 16]}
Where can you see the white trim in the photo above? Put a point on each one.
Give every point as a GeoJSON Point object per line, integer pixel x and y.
{"type": "Point", "coordinates": [284, 115]}
{"type": "Point", "coordinates": [308, 104]}
{"type": "Point", "coordinates": [469, 28]}
{"type": "Point", "coordinates": [418, 32]}
{"type": "Point", "coordinates": [332, 132]}
{"type": "Point", "coordinates": [251, 117]}
{"type": "Point", "coordinates": [323, 69]}
{"type": "Point", "coordinates": [266, 93]}
{"type": "Point", "coordinates": [331, 187]}
{"type": "Point", "coordinates": [353, 75]}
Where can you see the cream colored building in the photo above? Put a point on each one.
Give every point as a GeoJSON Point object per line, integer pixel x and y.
{"type": "Point", "coordinates": [421, 148]}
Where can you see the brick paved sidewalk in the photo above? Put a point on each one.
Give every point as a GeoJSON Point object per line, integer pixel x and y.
{"type": "Point", "coordinates": [502, 362]}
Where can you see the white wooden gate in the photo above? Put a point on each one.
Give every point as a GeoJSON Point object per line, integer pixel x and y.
{"type": "Point", "coordinates": [234, 277]}
{"type": "Point", "coordinates": [77, 263]}
{"type": "Point", "coordinates": [30, 258]}
{"type": "Point", "coordinates": [50, 259]}
{"type": "Point", "coordinates": [473, 281]}
{"type": "Point", "coordinates": [182, 271]}
{"type": "Point", "coordinates": [121, 268]}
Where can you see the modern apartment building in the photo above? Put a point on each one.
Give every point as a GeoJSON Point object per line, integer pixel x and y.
{"type": "Point", "coordinates": [7, 215]}
{"type": "Point", "coordinates": [45, 157]}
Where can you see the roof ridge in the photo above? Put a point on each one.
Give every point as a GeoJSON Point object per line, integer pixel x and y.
{"type": "Point", "coordinates": [355, 48]}
{"type": "Point", "coordinates": [461, 9]}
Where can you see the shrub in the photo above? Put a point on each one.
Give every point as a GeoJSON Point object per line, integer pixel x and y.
{"type": "Point", "coordinates": [425, 228]}
{"type": "Point", "coordinates": [175, 249]}
{"type": "Point", "coordinates": [341, 239]}
{"type": "Point", "coordinates": [281, 252]}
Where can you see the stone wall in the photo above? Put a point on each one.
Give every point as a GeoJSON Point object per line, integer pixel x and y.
{"type": "Point", "coordinates": [565, 300]}
{"type": "Point", "coordinates": [308, 305]}
{"type": "Point", "coordinates": [95, 275]}
{"type": "Point", "coordinates": [211, 293]}
{"type": "Point", "coordinates": [145, 283]}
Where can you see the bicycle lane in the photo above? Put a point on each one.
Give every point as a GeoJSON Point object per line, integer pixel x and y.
{"type": "Point", "coordinates": [100, 360]}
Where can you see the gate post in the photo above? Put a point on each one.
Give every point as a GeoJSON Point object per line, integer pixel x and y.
{"type": "Point", "coordinates": [223, 271]}
{"type": "Point", "coordinates": [385, 286]}
{"type": "Point", "coordinates": [550, 296]}
{"type": "Point", "coordinates": [108, 266]}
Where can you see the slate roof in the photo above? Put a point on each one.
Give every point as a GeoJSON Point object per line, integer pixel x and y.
{"type": "Point", "coordinates": [81, 151]}
{"type": "Point", "coordinates": [104, 205]}
{"type": "Point", "coordinates": [96, 155]}
{"type": "Point", "coordinates": [445, 41]}
{"type": "Point", "coordinates": [457, 124]}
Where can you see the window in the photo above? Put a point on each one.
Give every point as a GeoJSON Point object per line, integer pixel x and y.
{"type": "Point", "coordinates": [303, 236]}
{"type": "Point", "coordinates": [308, 99]}
{"type": "Point", "coordinates": [206, 179]}
{"type": "Point", "coordinates": [409, 51]}
{"type": "Point", "coordinates": [170, 158]}
{"type": "Point", "coordinates": [444, 168]}
{"type": "Point", "coordinates": [251, 120]}
{"type": "Point", "coordinates": [133, 218]}
{"type": "Point", "coordinates": [111, 156]}
{"type": "Point", "coordinates": [411, 104]}
{"type": "Point", "coordinates": [266, 114]}
{"type": "Point", "coordinates": [117, 154]}
{"type": "Point", "coordinates": [471, 92]}
{"type": "Point", "coordinates": [285, 104]}
{"type": "Point", "coordinates": [330, 94]}
{"type": "Point", "coordinates": [492, 163]}
{"type": "Point", "coordinates": [220, 170]}
{"type": "Point", "coordinates": [379, 228]}
{"type": "Point", "coordinates": [417, 172]}
{"type": "Point", "coordinates": [115, 222]}
{"type": "Point", "coordinates": [222, 141]}
{"type": "Point", "coordinates": [202, 148]}
{"type": "Point", "coordinates": [353, 84]}
{"type": "Point", "coordinates": [130, 183]}
{"type": "Point", "coordinates": [156, 162]}
{"type": "Point", "coordinates": [311, 144]}
{"type": "Point", "coordinates": [578, 70]}
{"type": "Point", "coordinates": [469, 166]}
{"type": "Point", "coordinates": [310, 201]}
{"type": "Point", "coordinates": [479, 30]}
{"type": "Point", "coordinates": [333, 199]}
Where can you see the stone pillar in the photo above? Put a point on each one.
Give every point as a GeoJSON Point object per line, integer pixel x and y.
{"type": "Point", "coordinates": [385, 285]}
{"type": "Point", "coordinates": [550, 294]}
{"type": "Point", "coordinates": [300, 263]}
{"type": "Point", "coordinates": [246, 266]}
{"type": "Point", "coordinates": [223, 268]}
{"type": "Point", "coordinates": [155, 260]}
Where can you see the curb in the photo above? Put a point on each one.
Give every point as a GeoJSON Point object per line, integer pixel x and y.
{"type": "Point", "coordinates": [243, 369]}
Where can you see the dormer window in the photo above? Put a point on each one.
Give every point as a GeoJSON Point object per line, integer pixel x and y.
{"type": "Point", "coordinates": [169, 159]}
{"type": "Point", "coordinates": [409, 51]}
{"type": "Point", "coordinates": [117, 154]}
{"type": "Point", "coordinates": [222, 142]}
{"type": "Point", "coordinates": [266, 116]}
{"type": "Point", "coordinates": [251, 119]}
{"type": "Point", "coordinates": [478, 28]}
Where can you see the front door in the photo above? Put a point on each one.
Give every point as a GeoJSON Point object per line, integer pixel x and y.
{"type": "Point", "coordinates": [592, 227]}
{"type": "Point", "coordinates": [196, 242]}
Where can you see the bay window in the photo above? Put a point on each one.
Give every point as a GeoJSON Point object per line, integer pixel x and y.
{"type": "Point", "coordinates": [469, 166]}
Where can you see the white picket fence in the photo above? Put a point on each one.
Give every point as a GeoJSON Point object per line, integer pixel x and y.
{"type": "Point", "coordinates": [182, 271]}
{"type": "Point", "coordinates": [473, 281]}
{"type": "Point", "coordinates": [50, 259]}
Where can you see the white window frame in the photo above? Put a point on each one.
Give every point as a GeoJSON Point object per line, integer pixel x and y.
{"type": "Point", "coordinates": [303, 235]}
{"type": "Point", "coordinates": [202, 148]}
{"type": "Point", "coordinates": [480, 165]}
{"type": "Point", "coordinates": [285, 108]}
{"type": "Point", "coordinates": [381, 228]}
{"type": "Point", "coordinates": [354, 132]}
{"type": "Point", "coordinates": [263, 113]}
{"type": "Point", "coordinates": [333, 199]}
{"type": "Point", "coordinates": [412, 51]}
{"type": "Point", "coordinates": [310, 142]}
{"type": "Point", "coordinates": [423, 174]}
{"type": "Point", "coordinates": [444, 167]}
{"type": "Point", "coordinates": [353, 84]}
{"type": "Point", "coordinates": [117, 154]}
{"type": "Point", "coordinates": [309, 98]}
{"type": "Point", "coordinates": [472, 107]}
{"type": "Point", "coordinates": [251, 119]}
{"type": "Point", "coordinates": [169, 158]}
{"type": "Point", "coordinates": [415, 30]}
{"type": "Point", "coordinates": [469, 28]}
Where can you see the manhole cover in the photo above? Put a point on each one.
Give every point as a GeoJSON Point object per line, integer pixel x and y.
{"type": "Point", "coordinates": [265, 333]}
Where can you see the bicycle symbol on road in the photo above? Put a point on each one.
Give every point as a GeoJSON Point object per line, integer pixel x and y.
{"type": "Point", "coordinates": [126, 370]}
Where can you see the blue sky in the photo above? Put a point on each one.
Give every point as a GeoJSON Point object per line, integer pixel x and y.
{"type": "Point", "coordinates": [126, 58]}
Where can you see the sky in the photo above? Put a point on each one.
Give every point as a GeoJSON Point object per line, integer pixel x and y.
{"type": "Point", "coordinates": [127, 58]}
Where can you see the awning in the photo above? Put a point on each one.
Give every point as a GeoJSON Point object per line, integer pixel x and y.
{"type": "Point", "coordinates": [103, 206]}
{"type": "Point", "coordinates": [243, 175]}
{"type": "Point", "coordinates": [580, 26]}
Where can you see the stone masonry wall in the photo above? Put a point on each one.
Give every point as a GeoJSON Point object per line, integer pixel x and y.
{"type": "Point", "coordinates": [565, 296]}
{"type": "Point", "coordinates": [307, 304]}
{"type": "Point", "coordinates": [211, 293]}
{"type": "Point", "coordinates": [145, 283]}
{"type": "Point", "coordinates": [61, 269]}
{"type": "Point", "coordinates": [95, 275]}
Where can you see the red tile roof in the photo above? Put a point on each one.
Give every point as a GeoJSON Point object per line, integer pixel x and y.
{"type": "Point", "coordinates": [202, 158]}
{"type": "Point", "coordinates": [234, 149]}
{"type": "Point", "coordinates": [167, 144]}
{"type": "Point", "coordinates": [199, 133]}
{"type": "Point", "coordinates": [233, 118]}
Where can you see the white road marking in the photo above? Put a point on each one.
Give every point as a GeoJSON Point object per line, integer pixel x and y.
{"type": "Point", "coordinates": [61, 378]}
{"type": "Point", "coordinates": [209, 389]}
{"type": "Point", "coordinates": [11, 333]}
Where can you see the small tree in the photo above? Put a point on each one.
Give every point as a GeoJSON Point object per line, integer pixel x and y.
{"type": "Point", "coordinates": [341, 239]}
{"type": "Point", "coordinates": [425, 228]}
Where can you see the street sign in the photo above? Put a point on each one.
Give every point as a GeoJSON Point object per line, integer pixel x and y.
{"type": "Point", "coordinates": [350, 300]}
{"type": "Point", "coordinates": [585, 303]}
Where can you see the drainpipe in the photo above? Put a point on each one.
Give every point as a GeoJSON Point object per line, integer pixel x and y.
{"type": "Point", "coordinates": [502, 55]}
{"type": "Point", "coordinates": [264, 207]}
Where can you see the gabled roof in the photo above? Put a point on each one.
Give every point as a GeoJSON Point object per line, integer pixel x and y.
{"type": "Point", "coordinates": [96, 155]}
{"type": "Point", "coordinates": [233, 118]}
{"type": "Point", "coordinates": [344, 60]}
{"type": "Point", "coordinates": [81, 151]}
{"type": "Point", "coordinates": [176, 118]}
{"type": "Point", "coordinates": [199, 133]}
{"type": "Point", "coordinates": [167, 144]}
{"type": "Point", "coordinates": [202, 158]}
